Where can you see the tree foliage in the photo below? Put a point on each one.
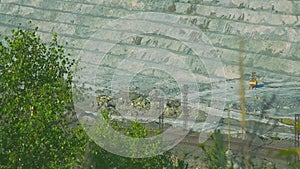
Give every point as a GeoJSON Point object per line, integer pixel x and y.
{"type": "Point", "coordinates": [35, 87]}
{"type": "Point", "coordinates": [35, 128]}
{"type": "Point", "coordinates": [215, 155]}
{"type": "Point", "coordinates": [101, 158]}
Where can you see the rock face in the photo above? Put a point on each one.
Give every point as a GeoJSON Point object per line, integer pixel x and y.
{"type": "Point", "coordinates": [269, 31]}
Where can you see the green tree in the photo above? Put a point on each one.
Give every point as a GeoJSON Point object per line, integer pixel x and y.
{"type": "Point", "coordinates": [100, 158]}
{"type": "Point", "coordinates": [215, 155]}
{"type": "Point", "coordinates": [35, 89]}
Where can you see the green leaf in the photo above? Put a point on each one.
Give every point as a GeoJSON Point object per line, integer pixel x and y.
{"type": "Point", "coordinates": [30, 80]}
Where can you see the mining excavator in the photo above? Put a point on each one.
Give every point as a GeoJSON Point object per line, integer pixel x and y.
{"type": "Point", "coordinates": [253, 82]}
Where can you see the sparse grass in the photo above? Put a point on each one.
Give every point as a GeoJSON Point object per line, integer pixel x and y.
{"type": "Point", "coordinates": [242, 86]}
{"type": "Point", "coordinates": [242, 98]}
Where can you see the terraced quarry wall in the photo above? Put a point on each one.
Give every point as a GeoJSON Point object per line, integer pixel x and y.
{"type": "Point", "coordinates": [270, 28]}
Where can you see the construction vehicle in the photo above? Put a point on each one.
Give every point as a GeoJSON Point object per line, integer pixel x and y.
{"type": "Point", "coordinates": [253, 81]}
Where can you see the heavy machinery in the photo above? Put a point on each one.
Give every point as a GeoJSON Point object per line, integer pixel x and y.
{"type": "Point", "coordinates": [253, 81]}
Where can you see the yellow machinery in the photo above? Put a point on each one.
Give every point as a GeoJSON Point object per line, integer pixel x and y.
{"type": "Point", "coordinates": [253, 81]}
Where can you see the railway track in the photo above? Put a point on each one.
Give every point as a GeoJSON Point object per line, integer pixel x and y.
{"type": "Point", "coordinates": [195, 138]}
{"type": "Point", "coordinates": [264, 150]}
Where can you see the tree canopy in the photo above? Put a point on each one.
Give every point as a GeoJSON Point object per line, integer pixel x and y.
{"type": "Point", "coordinates": [35, 128]}
{"type": "Point", "coordinates": [35, 87]}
